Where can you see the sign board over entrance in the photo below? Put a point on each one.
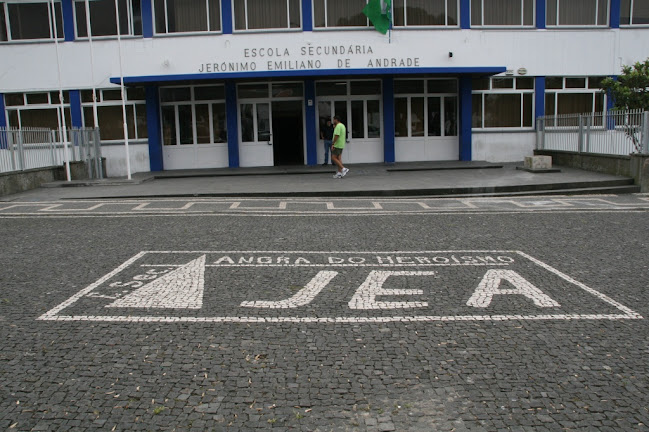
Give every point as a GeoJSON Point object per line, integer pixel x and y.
{"type": "Point", "coordinates": [344, 287]}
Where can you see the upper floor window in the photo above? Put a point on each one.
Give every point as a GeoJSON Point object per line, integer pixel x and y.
{"type": "Point", "coordinates": [511, 13]}
{"type": "Point", "coordinates": [103, 17]}
{"type": "Point", "coordinates": [577, 12]}
{"type": "Point", "coordinates": [339, 13]}
{"type": "Point", "coordinates": [634, 12]}
{"type": "Point", "coordinates": [425, 13]}
{"type": "Point", "coordinates": [267, 14]}
{"type": "Point", "coordinates": [187, 16]}
{"type": "Point", "coordinates": [30, 20]}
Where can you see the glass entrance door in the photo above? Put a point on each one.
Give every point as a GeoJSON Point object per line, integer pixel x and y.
{"type": "Point", "coordinates": [256, 137]}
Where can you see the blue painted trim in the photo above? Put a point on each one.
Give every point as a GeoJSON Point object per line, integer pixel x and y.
{"type": "Point", "coordinates": [232, 115]}
{"type": "Point", "coordinates": [226, 16]}
{"type": "Point", "coordinates": [540, 14]}
{"type": "Point", "coordinates": [615, 13]}
{"type": "Point", "coordinates": [465, 118]}
{"type": "Point", "coordinates": [539, 97]}
{"type": "Point", "coordinates": [76, 114]}
{"type": "Point", "coordinates": [3, 111]}
{"type": "Point", "coordinates": [389, 152]}
{"type": "Point", "coordinates": [154, 128]}
{"type": "Point", "coordinates": [311, 123]}
{"type": "Point", "coordinates": [480, 71]}
{"type": "Point", "coordinates": [3, 122]}
{"type": "Point", "coordinates": [307, 15]}
{"type": "Point", "coordinates": [465, 14]}
{"type": "Point", "coordinates": [147, 18]}
{"type": "Point", "coordinates": [67, 10]}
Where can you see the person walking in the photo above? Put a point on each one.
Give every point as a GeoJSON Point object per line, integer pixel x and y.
{"type": "Point", "coordinates": [340, 136]}
{"type": "Point", "coordinates": [327, 134]}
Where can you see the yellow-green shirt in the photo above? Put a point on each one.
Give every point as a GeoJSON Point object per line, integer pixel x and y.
{"type": "Point", "coordinates": [341, 131]}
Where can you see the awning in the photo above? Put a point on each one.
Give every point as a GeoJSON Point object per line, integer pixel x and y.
{"type": "Point", "coordinates": [322, 73]}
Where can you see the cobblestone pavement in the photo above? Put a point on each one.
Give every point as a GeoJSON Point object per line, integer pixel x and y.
{"type": "Point", "coordinates": [523, 314]}
{"type": "Point", "coordinates": [316, 206]}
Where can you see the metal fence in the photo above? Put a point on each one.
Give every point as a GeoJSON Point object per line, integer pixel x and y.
{"type": "Point", "coordinates": [612, 132]}
{"type": "Point", "coordinates": [29, 148]}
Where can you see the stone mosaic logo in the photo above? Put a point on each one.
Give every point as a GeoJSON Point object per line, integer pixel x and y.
{"type": "Point", "coordinates": [342, 287]}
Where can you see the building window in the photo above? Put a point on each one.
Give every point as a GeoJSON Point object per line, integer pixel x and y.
{"type": "Point", "coordinates": [634, 12]}
{"type": "Point", "coordinates": [193, 115]}
{"type": "Point", "coordinates": [109, 113]}
{"type": "Point", "coordinates": [37, 110]}
{"type": "Point", "coordinates": [411, 13]}
{"type": "Point", "coordinates": [267, 14]}
{"type": "Point", "coordinates": [30, 20]}
{"type": "Point", "coordinates": [339, 13]}
{"type": "Point", "coordinates": [577, 13]}
{"type": "Point", "coordinates": [187, 16]}
{"type": "Point", "coordinates": [502, 13]}
{"type": "Point", "coordinates": [574, 95]}
{"type": "Point", "coordinates": [425, 108]}
{"type": "Point", "coordinates": [503, 103]}
{"type": "Point", "coordinates": [103, 17]}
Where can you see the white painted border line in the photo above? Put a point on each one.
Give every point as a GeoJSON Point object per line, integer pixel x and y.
{"type": "Point", "coordinates": [628, 313]}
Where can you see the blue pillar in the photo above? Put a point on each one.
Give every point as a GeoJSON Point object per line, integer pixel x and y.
{"type": "Point", "coordinates": [147, 18]}
{"type": "Point", "coordinates": [154, 128]}
{"type": "Point", "coordinates": [307, 15]}
{"type": "Point", "coordinates": [226, 16]}
{"type": "Point", "coordinates": [3, 111]}
{"type": "Point", "coordinates": [67, 11]}
{"type": "Point", "coordinates": [616, 10]}
{"type": "Point", "coordinates": [388, 120]}
{"type": "Point", "coordinates": [232, 114]}
{"type": "Point", "coordinates": [465, 117]}
{"type": "Point", "coordinates": [539, 97]}
{"type": "Point", "coordinates": [465, 14]}
{"type": "Point", "coordinates": [76, 113]}
{"type": "Point", "coordinates": [540, 14]}
{"type": "Point", "coordinates": [311, 123]}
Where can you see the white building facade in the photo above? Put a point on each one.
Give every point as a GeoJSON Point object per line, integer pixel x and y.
{"type": "Point", "coordinates": [234, 83]}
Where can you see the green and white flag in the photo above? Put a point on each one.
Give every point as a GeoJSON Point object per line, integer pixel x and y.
{"type": "Point", "coordinates": [379, 14]}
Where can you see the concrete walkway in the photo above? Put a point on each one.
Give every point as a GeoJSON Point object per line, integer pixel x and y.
{"type": "Point", "coordinates": [404, 179]}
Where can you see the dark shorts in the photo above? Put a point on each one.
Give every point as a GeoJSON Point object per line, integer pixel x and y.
{"type": "Point", "coordinates": [336, 151]}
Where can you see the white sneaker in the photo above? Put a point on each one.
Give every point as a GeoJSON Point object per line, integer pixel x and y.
{"type": "Point", "coordinates": [338, 175]}
{"type": "Point", "coordinates": [345, 171]}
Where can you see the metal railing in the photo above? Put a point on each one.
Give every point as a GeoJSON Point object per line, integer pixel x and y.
{"type": "Point", "coordinates": [30, 148]}
{"type": "Point", "coordinates": [612, 132]}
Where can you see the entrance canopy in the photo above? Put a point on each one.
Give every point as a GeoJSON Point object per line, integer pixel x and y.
{"type": "Point", "coordinates": [478, 71]}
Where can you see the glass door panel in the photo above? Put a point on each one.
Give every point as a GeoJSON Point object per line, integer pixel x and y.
{"type": "Point", "coordinates": [358, 119]}
{"type": "Point", "coordinates": [434, 116]}
{"type": "Point", "coordinates": [247, 123]}
{"type": "Point", "coordinates": [263, 122]}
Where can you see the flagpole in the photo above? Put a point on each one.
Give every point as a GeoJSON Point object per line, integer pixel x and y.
{"type": "Point", "coordinates": [121, 83]}
{"type": "Point", "coordinates": [63, 131]}
{"type": "Point", "coordinates": [95, 116]}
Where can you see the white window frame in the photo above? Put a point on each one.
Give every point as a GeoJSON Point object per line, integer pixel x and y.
{"type": "Point", "coordinates": [50, 104]}
{"type": "Point", "coordinates": [268, 30]}
{"type": "Point", "coordinates": [426, 94]}
{"type": "Point", "coordinates": [521, 25]}
{"type": "Point", "coordinates": [577, 90]}
{"type": "Point", "coordinates": [631, 17]}
{"type": "Point", "coordinates": [136, 104]}
{"type": "Point", "coordinates": [130, 18]}
{"type": "Point", "coordinates": [167, 33]}
{"type": "Point", "coordinates": [327, 28]}
{"type": "Point", "coordinates": [5, 6]}
{"type": "Point", "coordinates": [505, 91]}
{"type": "Point", "coordinates": [558, 25]}
{"type": "Point", "coordinates": [193, 102]}
{"type": "Point", "coordinates": [418, 27]}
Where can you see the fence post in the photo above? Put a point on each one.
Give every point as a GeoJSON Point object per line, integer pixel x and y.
{"type": "Point", "coordinates": [21, 150]}
{"type": "Point", "coordinates": [580, 138]}
{"type": "Point", "coordinates": [589, 123]}
{"type": "Point", "coordinates": [645, 132]}
{"type": "Point", "coordinates": [98, 161]}
{"type": "Point", "coordinates": [11, 139]}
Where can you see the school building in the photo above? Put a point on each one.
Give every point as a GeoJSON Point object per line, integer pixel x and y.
{"type": "Point", "coordinates": [240, 83]}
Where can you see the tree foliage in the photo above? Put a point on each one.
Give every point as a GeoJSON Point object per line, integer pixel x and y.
{"type": "Point", "coordinates": [631, 89]}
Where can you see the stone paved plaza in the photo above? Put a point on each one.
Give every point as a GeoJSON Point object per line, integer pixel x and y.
{"type": "Point", "coordinates": [479, 314]}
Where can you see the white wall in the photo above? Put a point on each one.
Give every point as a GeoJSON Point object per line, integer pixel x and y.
{"type": "Point", "coordinates": [502, 147]}
{"type": "Point", "coordinates": [116, 159]}
{"type": "Point", "coordinates": [541, 52]}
